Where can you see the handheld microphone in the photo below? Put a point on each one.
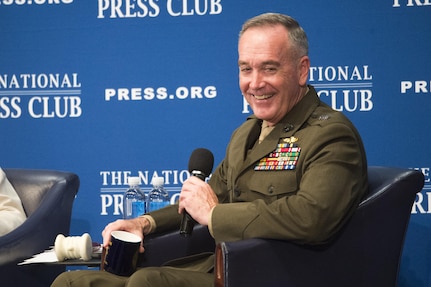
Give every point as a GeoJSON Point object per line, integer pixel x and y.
{"type": "Point", "coordinates": [200, 165]}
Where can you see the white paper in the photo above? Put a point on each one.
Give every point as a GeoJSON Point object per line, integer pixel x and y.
{"type": "Point", "coordinates": [48, 256]}
{"type": "Point", "coordinates": [44, 257]}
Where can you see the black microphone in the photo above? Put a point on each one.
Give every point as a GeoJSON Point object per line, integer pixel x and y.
{"type": "Point", "coordinates": [200, 165]}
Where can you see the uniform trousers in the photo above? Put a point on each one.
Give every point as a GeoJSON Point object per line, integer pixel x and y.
{"type": "Point", "coordinates": [197, 274]}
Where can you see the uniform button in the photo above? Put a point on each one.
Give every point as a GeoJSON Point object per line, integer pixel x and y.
{"type": "Point", "coordinates": [271, 190]}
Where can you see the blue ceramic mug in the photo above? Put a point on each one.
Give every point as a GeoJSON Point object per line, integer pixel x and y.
{"type": "Point", "coordinates": [121, 256]}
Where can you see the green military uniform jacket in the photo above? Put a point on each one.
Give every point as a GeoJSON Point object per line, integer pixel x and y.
{"type": "Point", "coordinates": [308, 199]}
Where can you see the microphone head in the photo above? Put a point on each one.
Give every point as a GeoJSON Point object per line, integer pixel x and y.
{"type": "Point", "coordinates": [201, 160]}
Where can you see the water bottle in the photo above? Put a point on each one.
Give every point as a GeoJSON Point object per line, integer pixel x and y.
{"type": "Point", "coordinates": [134, 199]}
{"type": "Point", "coordinates": [158, 196]}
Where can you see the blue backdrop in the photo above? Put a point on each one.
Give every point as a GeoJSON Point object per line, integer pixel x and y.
{"type": "Point", "coordinates": [113, 88]}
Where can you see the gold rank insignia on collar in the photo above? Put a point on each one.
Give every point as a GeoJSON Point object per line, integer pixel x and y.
{"type": "Point", "coordinates": [284, 157]}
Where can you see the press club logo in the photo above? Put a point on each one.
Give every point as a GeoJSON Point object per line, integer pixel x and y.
{"type": "Point", "coordinates": [34, 2]}
{"type": "Point", "coordinates": [114, 184]}
{"type": "Point", "coordinates": [346, 88]}
{"type": "Point", "coordinates": [415, 87]}
{"type": "Point", "coordinates": [155, 8]}
{"type": "Point", "coordinates": [411, 3]}
{"type": "Point", "coordinates": [46, 96]}
{"type": "Point", "coordinates": [422, 204]}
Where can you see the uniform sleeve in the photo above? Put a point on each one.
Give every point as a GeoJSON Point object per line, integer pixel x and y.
{"type": "Point", "coordinates": [166, 218]}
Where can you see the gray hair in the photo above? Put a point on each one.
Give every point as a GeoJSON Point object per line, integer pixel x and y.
{"type": "Point", "coordinates": [296, 34]}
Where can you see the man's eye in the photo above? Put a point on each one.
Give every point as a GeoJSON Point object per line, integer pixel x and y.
{"type": "Point", "coordinates": [245, 69]}
{"type": "Point", "coordinates": [270, 69]}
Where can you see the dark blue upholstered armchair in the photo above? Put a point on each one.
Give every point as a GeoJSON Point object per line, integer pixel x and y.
{"type": "Point", "coordinates": [47, 197]}
{"type": "Point", "coordinates": [365, 253]}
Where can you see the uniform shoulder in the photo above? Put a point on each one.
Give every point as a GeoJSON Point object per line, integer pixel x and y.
{"type": "Point", "coordinates": [325, 115]}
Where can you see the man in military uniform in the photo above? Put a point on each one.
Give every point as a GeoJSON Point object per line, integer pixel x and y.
{"type": "Point", "coordinates": [295, 170]}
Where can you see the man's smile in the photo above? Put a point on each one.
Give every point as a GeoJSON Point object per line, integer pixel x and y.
{"type": "Point", "coordinates": [262, 97]}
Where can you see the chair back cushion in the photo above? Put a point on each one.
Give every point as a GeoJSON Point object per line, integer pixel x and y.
{"type": "Point", "coordinates": [32, 187]}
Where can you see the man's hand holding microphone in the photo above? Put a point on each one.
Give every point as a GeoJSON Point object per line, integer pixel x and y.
{"type": "Point", "coordinates": [197, 199]}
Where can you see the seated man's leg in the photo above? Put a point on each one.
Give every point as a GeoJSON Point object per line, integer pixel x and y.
{"type": "Point", "coordinates": [170, 276]}
{"type": "Point", "coordinates": [87, 278]}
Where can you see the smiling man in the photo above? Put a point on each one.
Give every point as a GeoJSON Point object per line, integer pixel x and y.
{"type": "Point", "coordinates": [273, 70]}
{"type": "Point", "coordinates": [295, 170]}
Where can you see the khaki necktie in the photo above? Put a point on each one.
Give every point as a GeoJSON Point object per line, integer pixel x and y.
{"type": "Point", "coordinates": [265, 130]}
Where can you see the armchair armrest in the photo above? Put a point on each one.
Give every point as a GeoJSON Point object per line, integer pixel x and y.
{"type": "Point", "coordinates": [265, 262]}
{"type": "Point", "coordinates": [162, 247]}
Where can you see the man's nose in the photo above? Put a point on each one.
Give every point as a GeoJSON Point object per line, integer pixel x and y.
{"type": "Point", "coordinates": [256, 81]}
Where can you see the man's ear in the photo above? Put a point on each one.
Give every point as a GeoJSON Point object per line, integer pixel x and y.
{"type": "Point", "coordinates": [303, 70]}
